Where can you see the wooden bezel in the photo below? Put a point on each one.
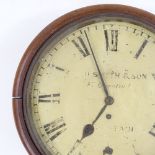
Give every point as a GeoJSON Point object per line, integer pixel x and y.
{"type": "Point", "coordinates": [121, 10]}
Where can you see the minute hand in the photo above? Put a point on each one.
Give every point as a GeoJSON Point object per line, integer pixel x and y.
{"type": "Point", "coordinates": [108, 100]}
{"type": "Point", "coordinates": [97, 66]}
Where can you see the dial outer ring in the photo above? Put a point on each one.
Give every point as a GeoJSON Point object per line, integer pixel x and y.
{"type": "Point", "coordinates": [18, 111]}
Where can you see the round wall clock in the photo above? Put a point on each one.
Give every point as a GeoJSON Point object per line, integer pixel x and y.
{"type": "Point", "coordinates": [86, 85]}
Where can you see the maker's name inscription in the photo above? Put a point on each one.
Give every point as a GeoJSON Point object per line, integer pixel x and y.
{"type": "Point", "coordinates": [118, 79]}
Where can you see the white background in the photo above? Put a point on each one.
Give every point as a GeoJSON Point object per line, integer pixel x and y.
{"type": "Point", "coordinates": [20, 22]}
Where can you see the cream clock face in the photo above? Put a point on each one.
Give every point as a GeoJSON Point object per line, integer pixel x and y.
{"type": "Point", "coordinates": [92, 91]}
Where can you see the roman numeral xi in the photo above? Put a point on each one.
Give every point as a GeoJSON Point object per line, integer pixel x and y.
{"type": "Point", "coordinates": [81, 46]}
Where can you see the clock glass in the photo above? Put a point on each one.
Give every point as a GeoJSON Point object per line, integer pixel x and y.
{"type": "Point", "coordinates": [90, 90]}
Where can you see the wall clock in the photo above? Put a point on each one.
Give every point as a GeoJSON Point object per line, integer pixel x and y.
{"type": "Point", "coordinates": [86, 85]}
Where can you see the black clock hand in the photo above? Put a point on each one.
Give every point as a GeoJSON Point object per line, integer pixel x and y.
{"type": "Point", "coordinates": [76, 144]}
{"type": "Point", "coordinates": [108, 100]}
{"type": "Point", "coordinates": [89, 128]}
{"type": "Point", "coordinates": [100, 74]}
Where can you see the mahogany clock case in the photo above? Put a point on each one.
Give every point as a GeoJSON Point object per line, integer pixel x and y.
{"type": "Point", "coordinates": [52, 30]}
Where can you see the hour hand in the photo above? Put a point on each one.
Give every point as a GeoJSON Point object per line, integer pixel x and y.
{"type": "Point", "coordinates": [108, 101]}
{"type": "Point", "coordinates": [75, 146]}
{"type": "Point", "coordinates": [87, 131]}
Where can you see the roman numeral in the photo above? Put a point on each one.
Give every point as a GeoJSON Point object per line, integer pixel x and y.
{"type": "Point", "coordinates": [141, 48]}
{"type": "Point", "coordinates": [55, 128]}
{"type": "Point", "coordinates": [44, 98]}
{"type": "Point", "coordinates": [81, 46]}
{"type": "Point", "coordinates": [152, 131]}
{"type": "Point", "coordinates": [111, 38]}
{"type": "Point", "coordinates": [54, 98]}
{"type": "Point", "coordinates": [59, 68]}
